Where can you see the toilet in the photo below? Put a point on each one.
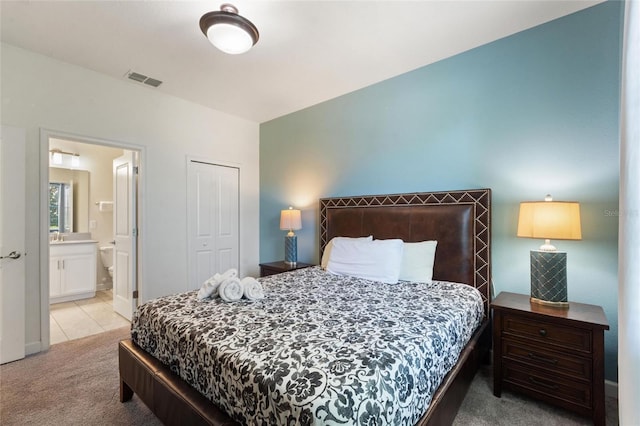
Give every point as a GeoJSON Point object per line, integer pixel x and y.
{"type": "Point", "coordinates": [106, 254]}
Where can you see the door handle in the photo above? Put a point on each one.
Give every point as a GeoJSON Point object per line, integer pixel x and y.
{"type": "Point", "coordinates": [13, 255]}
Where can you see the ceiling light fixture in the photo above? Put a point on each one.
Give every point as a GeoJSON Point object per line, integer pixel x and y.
{"type": "Point", "coordinates": [229, 31]}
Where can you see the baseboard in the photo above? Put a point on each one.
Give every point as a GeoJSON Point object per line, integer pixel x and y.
{"type": "Point", "coordinates": [32, 348]}
{"type": "Point", "coordinates": [611, 389]}
{"type": "Point", "coordinates": [102, 287]}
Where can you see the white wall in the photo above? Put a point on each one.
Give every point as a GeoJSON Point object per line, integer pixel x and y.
{"type": "Point", "coordinates": [39, 92]}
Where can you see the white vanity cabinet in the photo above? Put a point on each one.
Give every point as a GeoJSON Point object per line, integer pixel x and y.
{"type": "Point", "coordinates": [72, 270]}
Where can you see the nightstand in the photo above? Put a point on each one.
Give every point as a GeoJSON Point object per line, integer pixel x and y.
{"type": "Point", "coordinates": [279, 267]}
{"type": "Point", "coordinates": [552, 354]}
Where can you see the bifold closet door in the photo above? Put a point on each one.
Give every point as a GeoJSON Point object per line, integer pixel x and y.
{"type": "Point", "coordinates": [213, 220]}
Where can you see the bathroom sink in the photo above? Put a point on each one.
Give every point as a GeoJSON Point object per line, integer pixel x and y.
{"type": "Point", "coordinates": [75, 236]}
{"type": "Point", "coordinates": [73, 242]}
{"type": "Point", "coordinates": [72, 237]}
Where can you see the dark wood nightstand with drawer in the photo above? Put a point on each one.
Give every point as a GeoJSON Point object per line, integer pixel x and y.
{"type": "Point", "coordinates": [552, 354]}
{"type": "Point", "coordinates": [279, 267]}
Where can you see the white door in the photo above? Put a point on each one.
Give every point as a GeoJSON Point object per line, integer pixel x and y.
{"type": "Point", "coordinates": [125, 232]}
{"type": "Point", "coordinates": [12, 244]}
{"type": "Point", "coordinates": [213, 218]}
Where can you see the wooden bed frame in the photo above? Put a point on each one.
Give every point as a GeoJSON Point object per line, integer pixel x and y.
{"type": "Point", "coordinates": [461, 223]}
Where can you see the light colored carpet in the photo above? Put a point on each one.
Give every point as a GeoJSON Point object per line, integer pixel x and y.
{"type": "Point", "coordinates": [481, 408]}
{"type": "Point", "coordinates": [76, 383]}
{"type": "Point", "coordinates": [73, 383]}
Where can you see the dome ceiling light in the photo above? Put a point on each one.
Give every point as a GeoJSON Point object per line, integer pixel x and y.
{"type": "Point", "coordinates": [229, 31]}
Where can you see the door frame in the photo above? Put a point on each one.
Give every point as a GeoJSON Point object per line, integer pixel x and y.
{"type": "Point", "coordinates": [45, 135]}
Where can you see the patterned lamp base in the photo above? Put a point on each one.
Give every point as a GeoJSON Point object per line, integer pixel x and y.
{"type": "Point", "coordinates": [549, 278]}
{"type": "Point", "coordinates": [291, 249]}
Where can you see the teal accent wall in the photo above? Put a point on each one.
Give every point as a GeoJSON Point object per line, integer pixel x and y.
{"type": "Point", "coordinates": [527, 115]}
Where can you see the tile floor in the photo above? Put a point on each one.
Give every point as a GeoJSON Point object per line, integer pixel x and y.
{"type": "Point", "coordinates": [81, 318]}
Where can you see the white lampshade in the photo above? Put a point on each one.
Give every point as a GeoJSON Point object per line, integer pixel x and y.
{"type": "Point", "coordinates": [290, 219]}
{"type": "Point", "coordinates": [558, 220]}
{"type": "Point", "coordinates": [56, 157]}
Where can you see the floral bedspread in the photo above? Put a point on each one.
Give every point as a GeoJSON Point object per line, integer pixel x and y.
{"type": "Point", "coordinates": [319, 349]}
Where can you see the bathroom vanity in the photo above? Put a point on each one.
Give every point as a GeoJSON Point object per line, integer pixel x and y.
{"type": "Point", "coordinates": [72, 270]}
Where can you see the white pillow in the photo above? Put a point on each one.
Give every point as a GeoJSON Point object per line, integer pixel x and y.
{"type": "Point", "coordinates": [377, 260]}
{"type": "Point", "coordinates": [329, 246]}
{"type": "Point", "coordinates": [417, 261]}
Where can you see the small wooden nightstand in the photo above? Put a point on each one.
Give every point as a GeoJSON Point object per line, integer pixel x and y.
{"type": "Point", "coordinates": [279, 267]}
{"type": "Point", "coordinates": [552, 354]}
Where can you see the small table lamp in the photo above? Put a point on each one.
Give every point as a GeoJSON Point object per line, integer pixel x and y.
{"type": "Point", "coordinates": [290, 220]}
{"type": "Point", "coordinates": [549, 219]}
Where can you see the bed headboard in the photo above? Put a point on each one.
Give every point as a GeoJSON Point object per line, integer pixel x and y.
{"type": "Point", "coordinates": [459, 220]}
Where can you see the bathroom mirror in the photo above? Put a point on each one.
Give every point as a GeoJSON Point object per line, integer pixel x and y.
{"type": "Point", "coordinates": [68, 200]}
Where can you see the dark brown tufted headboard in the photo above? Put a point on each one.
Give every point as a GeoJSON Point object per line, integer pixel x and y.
{"type": "Point", "coordinates": [459, 220]}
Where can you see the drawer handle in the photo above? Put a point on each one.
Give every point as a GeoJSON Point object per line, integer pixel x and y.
{"type": "Point", "coordinates": [543, 332]}
{"type": "Point", "coordinates": [543, 384]}
{"type": "Point", "coordinates": [542, 358]}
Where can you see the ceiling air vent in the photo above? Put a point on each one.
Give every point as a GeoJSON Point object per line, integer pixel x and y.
{"type": "Point", "coordinates": [141, 78]}
{"type": "Point", "coordinates": [152, 82]}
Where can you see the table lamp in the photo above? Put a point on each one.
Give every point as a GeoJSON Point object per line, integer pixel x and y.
{"type": "Point", "coordinates": [290, 220]}
{"type": "Point", "coordinates": [548, 219]}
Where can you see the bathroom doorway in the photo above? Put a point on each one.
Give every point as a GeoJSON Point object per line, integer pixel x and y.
{"type": "Point", "coordinates": [82, 215]}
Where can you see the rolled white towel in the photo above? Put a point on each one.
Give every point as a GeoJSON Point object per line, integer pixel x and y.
{"type": "Point", "coordinates": [252, 289]}
{"type": "Point", "coordinates": [229, 273]}
{"type": "Point", "coordinates": [210, 286]}
{"type": "Point", "coordinates": [230, 290]}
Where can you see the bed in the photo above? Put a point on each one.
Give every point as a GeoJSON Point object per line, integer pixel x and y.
{"type": "Point", "coordinates": [458, 220]}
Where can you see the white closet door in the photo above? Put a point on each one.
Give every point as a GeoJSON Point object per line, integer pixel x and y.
{"type": "Point", "coordinates": [213, 220]}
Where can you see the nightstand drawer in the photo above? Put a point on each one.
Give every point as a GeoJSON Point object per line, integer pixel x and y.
{"type": "Point", "coordinates": [548, 333]}
{"type": "Point", "coordinates": [552, 354]}
{"type": "Point", "coordinates": [265, 272]}
{"type": "Point", "coordinates": [552, 387]}
{"type": "Point", "coordinates": [552, 361]}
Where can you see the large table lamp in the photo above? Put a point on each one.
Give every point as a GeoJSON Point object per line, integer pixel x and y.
{"type": "Point", "coordinates": [557, 220]}
{"type": "Point", "coordinates": [290, 220]}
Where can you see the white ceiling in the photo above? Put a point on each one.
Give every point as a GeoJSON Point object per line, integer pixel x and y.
{"type": "Point", "coordinates": [308, 52]}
